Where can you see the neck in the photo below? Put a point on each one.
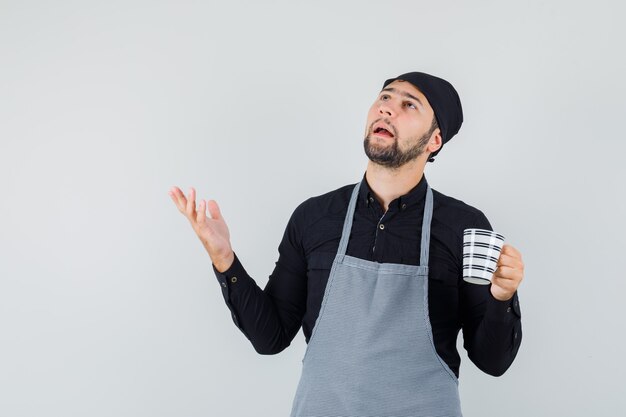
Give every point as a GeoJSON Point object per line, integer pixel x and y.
{"type": "Point", "coordinates": [388, 184]}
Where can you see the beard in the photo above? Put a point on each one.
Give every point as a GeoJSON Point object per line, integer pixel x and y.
{"type": "Point", "coordinates": [390, 155]}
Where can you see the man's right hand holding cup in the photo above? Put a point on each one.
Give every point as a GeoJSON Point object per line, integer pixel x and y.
{"type": "Point", "coordinates": [212, 231]}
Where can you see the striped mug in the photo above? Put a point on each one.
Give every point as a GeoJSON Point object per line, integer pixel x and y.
{"type": "Point", "coordinates": [481, 250]}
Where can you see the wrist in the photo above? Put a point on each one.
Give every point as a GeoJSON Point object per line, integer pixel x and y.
{"type": "Point", "coordinates": [224, 264]}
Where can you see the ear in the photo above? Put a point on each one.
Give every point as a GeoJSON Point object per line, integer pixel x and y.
{"type": "Point", "coordinates": [435, 142]}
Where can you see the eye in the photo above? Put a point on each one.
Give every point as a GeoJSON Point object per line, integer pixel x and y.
{"type": "Point", "coordinates": [384, 97]}
{"type": "Point", "coordinates": [409, 104]}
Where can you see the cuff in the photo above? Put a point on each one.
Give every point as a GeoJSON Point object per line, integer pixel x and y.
{"type": "Point", "coordinates": [503, 311]}
{"type": "Point", "coordinates": [233, 277]}
{"type": "Point", "coordinates": [231, 281]}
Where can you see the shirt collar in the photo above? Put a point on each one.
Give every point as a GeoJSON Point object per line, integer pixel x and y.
{"type": "Point", "coordinates": [404, 202]}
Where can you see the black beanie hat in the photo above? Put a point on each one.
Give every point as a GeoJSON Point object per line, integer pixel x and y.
{"type": "Point", "coordinates": [444, 100]}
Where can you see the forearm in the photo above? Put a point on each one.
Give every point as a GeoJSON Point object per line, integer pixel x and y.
{"type": "Point", "coordinates": [493, 341]}
{"type": "Point", "coordinates": [254, 311]}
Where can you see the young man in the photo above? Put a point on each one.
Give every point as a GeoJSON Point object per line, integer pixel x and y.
{"type": "Point", "coordinates": [373, 273]}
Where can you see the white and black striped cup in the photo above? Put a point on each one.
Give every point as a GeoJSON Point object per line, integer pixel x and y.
{"type": "Point", "coordinates": [481, 250]}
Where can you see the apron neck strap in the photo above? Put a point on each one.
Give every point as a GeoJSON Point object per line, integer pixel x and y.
{"type": "Point", "coordinates": [428, 214]}
{"type": "Point", "coordinates": [347, 224]}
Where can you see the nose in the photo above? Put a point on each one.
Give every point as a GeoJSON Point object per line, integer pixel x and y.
{"type": "Point", "coordinates": [385, 109]}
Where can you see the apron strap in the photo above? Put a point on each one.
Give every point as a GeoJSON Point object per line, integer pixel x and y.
{"type": "Point", "coordinates": [428, 214]}
{"type": "Point", "coordinates": [347, 224]}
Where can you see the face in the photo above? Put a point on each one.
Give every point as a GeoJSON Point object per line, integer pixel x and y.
{"type": "Point", "coordinates": [398, 126]}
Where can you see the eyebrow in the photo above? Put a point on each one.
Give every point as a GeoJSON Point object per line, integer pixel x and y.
{"type": "Point", "coordinates": [405, 94]}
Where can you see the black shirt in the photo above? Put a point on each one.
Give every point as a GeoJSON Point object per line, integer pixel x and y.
{"type": "Point", "coordinates": [270, 318]}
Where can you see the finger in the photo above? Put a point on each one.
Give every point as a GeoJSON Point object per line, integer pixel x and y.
{"type": "Point", "coordinates": [506, 285]}
{"type": "Point", "coordinates": [214, 210]}
{"type": "Point", "coordinates": [506, 248]}
{"type": "Point", "coordinates": [178, 197]}
{"type": "Point", "coordinates": [201, 212]}
{"type": "Point", "coordinates": [508, 260]}
{"type": "Point", "coordinates": [508, 274]}
{"type": "Point", "coordinates": [190, 210]}
{"type": "Point", "coordinates": [173, 196]}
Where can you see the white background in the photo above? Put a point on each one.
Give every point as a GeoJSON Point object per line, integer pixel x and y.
{"type": "Point", "coordinates": [108, 302]}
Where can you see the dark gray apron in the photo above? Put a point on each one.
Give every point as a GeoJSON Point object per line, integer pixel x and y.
{"type": "Point", "coordinates": [371, 352]}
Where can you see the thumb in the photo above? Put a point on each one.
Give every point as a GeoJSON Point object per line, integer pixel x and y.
{"type": "Point", "coordinates": [214, 210]}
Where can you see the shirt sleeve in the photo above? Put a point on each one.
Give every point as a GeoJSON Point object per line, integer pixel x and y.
{"type": "Point", "coordinates": [270, 318]}
{"type": "Point", "coordinates": [492, 329]}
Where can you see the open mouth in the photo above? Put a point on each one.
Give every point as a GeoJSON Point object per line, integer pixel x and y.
{"type": "Point", "coordinates": [381, 131]}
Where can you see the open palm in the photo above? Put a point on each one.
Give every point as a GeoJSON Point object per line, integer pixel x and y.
{"type": "Point", "coordinates": [211, 230]}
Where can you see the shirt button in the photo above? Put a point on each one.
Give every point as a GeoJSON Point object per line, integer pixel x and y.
{"type": "Point", "coordinates": [508, 310]}
{"type": "Point", "coordinates": [382, 226]}
{"type": "Point", "coordinates": [515, 335]}
{"type": "Point", "coordinates": [403, 206]}
{"type": "Point", "coordinates": [223, 284]}
{"type": "Point", "coordinates": [371, 198]}
{"type": "Point", "coordinates": [233, 279]}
